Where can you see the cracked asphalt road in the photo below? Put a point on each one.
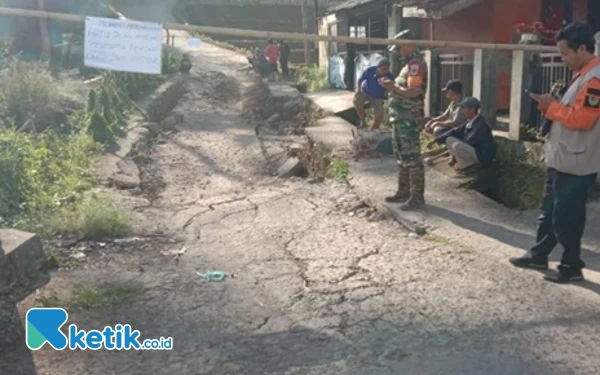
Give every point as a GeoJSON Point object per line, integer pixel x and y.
{"type": "Point", "coordinates": [312, 290]}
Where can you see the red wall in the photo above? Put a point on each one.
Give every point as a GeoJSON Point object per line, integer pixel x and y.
{"type": "Point", "coordinates": [470, 25]}
{"type": "Point", "coordinates": [508, 13]}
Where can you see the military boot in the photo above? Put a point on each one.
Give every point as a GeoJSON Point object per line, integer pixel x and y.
{"type": "Point", "coordinates": [417, 189]}
{"type": "Point", "coordinates": [403, 193]}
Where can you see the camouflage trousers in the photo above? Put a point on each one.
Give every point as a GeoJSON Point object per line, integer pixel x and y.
{"type": "Point", "coordinates": [406, 138]}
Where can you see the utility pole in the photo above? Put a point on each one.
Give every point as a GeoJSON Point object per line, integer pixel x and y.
{"type": "Point", "coordinates": [47, 49]}
{"type": "Point", "coordinates": [316, 26]}
{"type": "Point", "coordinates": [305, 16]}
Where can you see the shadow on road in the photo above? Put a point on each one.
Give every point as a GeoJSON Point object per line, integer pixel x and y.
{"type": "Point", "coordinates": [15, 357]}
{"type": "Point", "coordinates": [513, 238]}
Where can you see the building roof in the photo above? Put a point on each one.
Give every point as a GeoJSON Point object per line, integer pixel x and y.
{"type": "Point", "coordinates": [434, 8]}
{"type": "Point", "coordinates": [425, 4]}
{"type": "Point", "coordinates": [349, 4]}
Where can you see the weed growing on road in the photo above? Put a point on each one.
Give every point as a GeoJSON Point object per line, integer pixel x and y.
{"type": "Point", "coordinates": [339, 169]}
{"type": "Point", "coordinates": [95, 218]}
{"type": "Point", "coordinates": [320, 164]}
{"type": "Point", "coordinates": [49, 301]}
{"type": "Point", "coordinates": [52, 260]}
{"type": "Point", "coordinates": [103, 295]}
{"type": "Point", "coordinates": [465, 249]}
{"type": "Point", "coordinates": [438, 239]}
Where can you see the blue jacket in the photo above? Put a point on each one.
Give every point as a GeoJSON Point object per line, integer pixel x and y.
{"type": "Point", "coordinates": [369, 83]}
{"type": "Point", "coordinates": [479, 135]}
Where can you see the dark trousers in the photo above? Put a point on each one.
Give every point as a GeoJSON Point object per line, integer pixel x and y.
{"type": "Point", "coordinates": [563, 218]}
{"type": "Point", "coordinates": [285, 67]}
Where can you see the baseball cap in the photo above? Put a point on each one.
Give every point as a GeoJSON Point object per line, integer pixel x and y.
{"type": "Point", "coordinates": [454, 85]}
{"type": "Point", "coordinates": [470, 102]}
{"type": "Point", "coordinates": [384, 62]}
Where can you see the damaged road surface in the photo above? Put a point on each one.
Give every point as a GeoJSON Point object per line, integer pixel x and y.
{"type": "Point", "coordinates": [311, 286]}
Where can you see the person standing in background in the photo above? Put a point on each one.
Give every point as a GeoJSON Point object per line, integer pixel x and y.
{"type": "Point", "coordinates": [406, 113]}
{"type": "Point", "coordinates": [284, 58]}
{"type": "Point", "coordinates": [572, 132]}
{"type": "Point", "coordinates": [272, 52]}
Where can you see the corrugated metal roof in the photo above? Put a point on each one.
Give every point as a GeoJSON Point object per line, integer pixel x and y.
{"type": "Point", "coordinates": [426, 4]}
{"type": "Point", "coordinates": [350, 4]}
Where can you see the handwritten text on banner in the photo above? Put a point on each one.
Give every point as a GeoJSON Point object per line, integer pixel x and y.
{"type": "Point", "coordinates": [126, 46]}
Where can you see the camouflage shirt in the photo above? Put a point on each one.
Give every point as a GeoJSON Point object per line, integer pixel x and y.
{"type": "Point", "coordinates": [413, 76]}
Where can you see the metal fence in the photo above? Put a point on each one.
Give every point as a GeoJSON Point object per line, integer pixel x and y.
{"type": "Point", "coordinates": [553, 70]}
{"type": "Point", "coordinates": [455, 66]}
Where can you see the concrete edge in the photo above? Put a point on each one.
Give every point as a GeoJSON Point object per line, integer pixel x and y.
{"type": "Point", "coordinates": [22, 256]}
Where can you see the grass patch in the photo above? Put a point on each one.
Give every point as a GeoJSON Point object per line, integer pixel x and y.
{"type": "Point", "coordinates": [438, 239]}
{"type": "Point", "coordinates": [44, 173]}
{"type": "Point", "coordinates": [52, 260]}
{"type": "Point", "coordinates": [92, 297]}
{"type": "Point", "coordinates": [313, 77]}
{"type": "Point", "coordinates": [520, 182]}
{"type": "Point", "coordinates": [49, 301]}
{"type": "Point", "coordinates": [103, 295]}
{"type": "Point", "coordinates": [96, 217]}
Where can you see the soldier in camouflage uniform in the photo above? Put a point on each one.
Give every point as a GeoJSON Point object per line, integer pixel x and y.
{"type": "Point", "coordinates": [406, 114]}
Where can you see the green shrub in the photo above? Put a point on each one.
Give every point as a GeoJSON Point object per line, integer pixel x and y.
{"type": "Point", "coordinates": [10, 194]}
{"type": "Point", "coordinates": [103, 295]}
{"type": "Point", "coordinates": [26, 88]}
{"type": "Point", "coordinates": [314, 77]}
{"type": "Point", "coordinates": [44, 171]}
{"type": "Point", "coordinates": [520, 183]}
{"type": "Point", "coordinates": [94, 218]}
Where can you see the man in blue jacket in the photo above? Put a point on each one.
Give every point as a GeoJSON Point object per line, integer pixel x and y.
{"type": "Point", "coordinates": [472, 144]}
{"type": "Point", "coordinates": [371, 91]}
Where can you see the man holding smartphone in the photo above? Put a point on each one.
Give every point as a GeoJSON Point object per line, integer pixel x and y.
{"type": "Point", "coordinates": [572, 156]}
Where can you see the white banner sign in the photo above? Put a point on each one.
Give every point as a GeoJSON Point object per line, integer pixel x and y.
{"type": "Point", "coordinates": [126, 46]}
